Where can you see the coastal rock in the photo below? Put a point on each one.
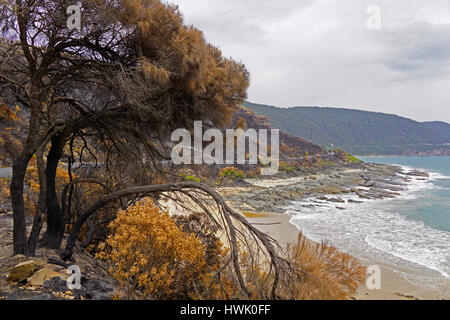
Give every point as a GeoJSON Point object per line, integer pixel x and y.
{"type": "Point", "coordinates": [296, 194]}
{"type": "Point", "coordinates": [355, 201]}
{"type": "Point", "coordinates": [336, 200]}
{"type": "Point", "coordinates": [39, 277]}
{"type": "Point", "coordinates": [55, 284]}
{"type": "Point", "coordinates": [395, 182]}
{"type": "Point", "coordinates": [330, 190]}
{"type": "Point", "coordinates": [10, 262]}
{"type": "Point", "coordinates": [396, 189]}
{"type": "Point", "coordinates": [368, 184]}
{"type": "Point", "coordinates": [99, 290]}
{"type": "Point", "coordinates": [386, 184]}
{"type": "Point", "coordinates": [363, 195]}
{"type": "Point", "coordinates": [371, 181]}
{"type": "Point", "coordinates": [417, 173]}
{"type": "Point", "coordinates": [23, 271]}
{"type": "Point", "coordinates": [91, 289]}
{"type": "Point", "coordinates": [381, 194]}
{"type": "Point", "coordinates": [287, 195]}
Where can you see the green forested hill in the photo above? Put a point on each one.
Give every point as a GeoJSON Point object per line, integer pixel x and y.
{"type": "Point", "coordinates": [442, 128]}
{"type": "Point", "coordinates": [359, 132]}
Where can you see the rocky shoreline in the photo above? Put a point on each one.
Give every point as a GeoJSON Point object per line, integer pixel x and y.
{"type": "Point", "coordinates": [365, 181]}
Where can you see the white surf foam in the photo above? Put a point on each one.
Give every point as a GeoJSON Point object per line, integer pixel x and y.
{"type": "Point", "coordinates": [375, 229]}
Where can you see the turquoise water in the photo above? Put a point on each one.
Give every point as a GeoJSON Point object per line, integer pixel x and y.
{"type": "Point", "coordinates": [409, 234]}
{"type": "Point", "coordinates": [431, 205]}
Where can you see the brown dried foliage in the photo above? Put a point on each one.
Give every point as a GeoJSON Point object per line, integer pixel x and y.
{"type": "Point", "coordinates": [327, 273]}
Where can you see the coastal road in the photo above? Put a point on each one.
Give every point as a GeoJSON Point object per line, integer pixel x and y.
{"type": "Point", "coordinates": [5, 172]}
{"type": "Point", "coordinates": [316, 156]}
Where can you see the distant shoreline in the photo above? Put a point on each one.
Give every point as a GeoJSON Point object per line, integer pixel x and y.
{"type": "Point", "coordinates": [401, 155]}
{"type": "Point", "coordinates": [358, 131]}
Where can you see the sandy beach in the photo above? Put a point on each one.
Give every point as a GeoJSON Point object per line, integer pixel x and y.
{"type": "Point", "coordinates": [269, 204]}
{"type": "Point", "coordinates": [393, 285]}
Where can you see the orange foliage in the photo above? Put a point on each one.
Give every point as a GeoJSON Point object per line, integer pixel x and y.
{"type": "Point", "coordinates": [169, 47]}
{"type": "Point", "coordinates": [154, 256]}
{"type": "Point", "coordinates": [150, 253]}
{"type": "Point", "coordinates": [328, 273]}
{"type": "Point", "coordinates": [241, 124]}
{"type": "Point", "coordinates": [4, 190]}
{"type": "Point", "coordinates": [6, 114]}
{"type": "Point", "coordinates": [9, 144]}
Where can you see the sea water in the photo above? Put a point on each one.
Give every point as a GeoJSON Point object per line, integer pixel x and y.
{"type": "Point", "coordinates": [409, 234]}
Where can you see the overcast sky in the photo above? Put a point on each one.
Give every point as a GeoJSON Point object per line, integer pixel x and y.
{"type": "Point", "coordinates": [321, 52]}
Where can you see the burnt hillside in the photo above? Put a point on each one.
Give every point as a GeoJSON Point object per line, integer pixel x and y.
{"type": "Point", "coordinates": [291, 146]}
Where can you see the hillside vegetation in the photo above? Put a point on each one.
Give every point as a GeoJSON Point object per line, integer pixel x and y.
{"type": "Point", "coordinates": [358, 132]}
{"type": "Point", "coordinates": [291, 145]}
{"type": "Point", "coordinates": [439, 127]}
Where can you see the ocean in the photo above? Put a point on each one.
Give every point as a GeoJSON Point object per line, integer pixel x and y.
{"type": "Point", "coordinates": [409, 234]}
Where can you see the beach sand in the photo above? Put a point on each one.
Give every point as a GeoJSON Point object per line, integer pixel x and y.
{"type": "Point", "coordinates": [393, 285]}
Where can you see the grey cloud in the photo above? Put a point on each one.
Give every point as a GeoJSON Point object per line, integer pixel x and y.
{"type": "Point", "coordinates": [320, 52]}
{"type": "Point", "coordinates": [419, 50]}
{"type": "Point", "coordinates": [234, 21]}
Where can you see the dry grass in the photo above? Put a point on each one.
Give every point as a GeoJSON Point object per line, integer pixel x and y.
{"type": "Point", "coordinates": [4, 190]}
{"type": "Point", "coordinates": [327, 273]}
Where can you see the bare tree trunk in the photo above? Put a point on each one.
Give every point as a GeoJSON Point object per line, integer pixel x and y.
{"type": "Point", "coordinates": [55, 221]}
{"type": "Point", "coordinates": [17, 184]}
{"type": "Point", "coordinates": [40, 210]}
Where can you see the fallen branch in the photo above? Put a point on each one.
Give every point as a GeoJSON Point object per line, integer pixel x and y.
{"type": "Point", "coordinates": [238, 229]}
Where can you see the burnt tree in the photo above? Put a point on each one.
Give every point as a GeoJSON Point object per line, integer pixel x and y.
{"type": "Point", "coordinates": [133, 72]}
